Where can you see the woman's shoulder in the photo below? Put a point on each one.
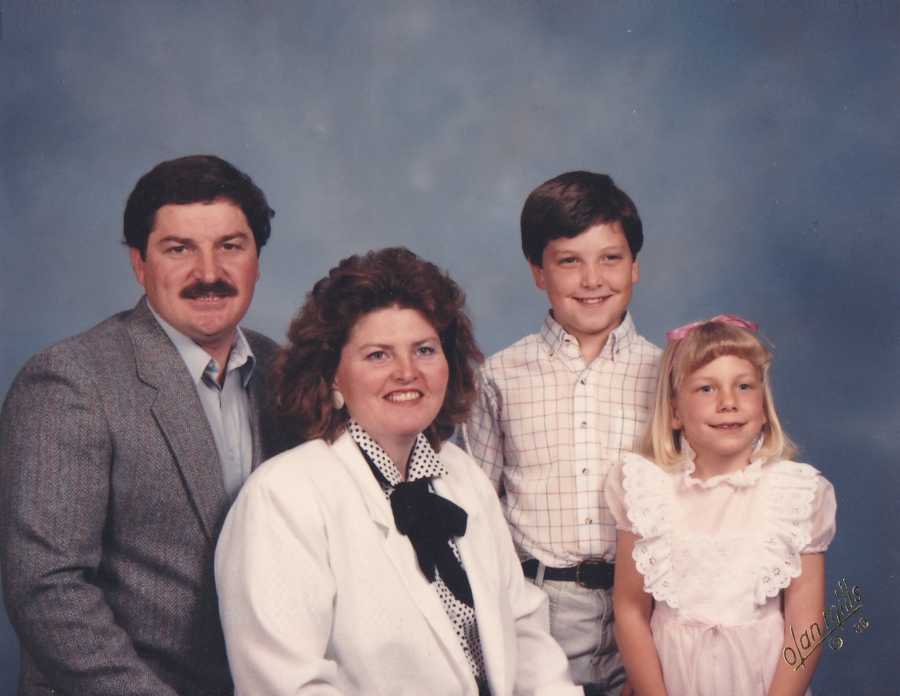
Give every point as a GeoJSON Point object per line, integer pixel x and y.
{"type": "Point", "coordinates": [305, 485]}
{"type": "Point", "coordinates": [463, 470]}
{"type": "Point", "coordinates": [458, 462]}
{"type": "Point", "coordinates": [454, 454]}
{"type": "Point", "coordinates": [304, 463]}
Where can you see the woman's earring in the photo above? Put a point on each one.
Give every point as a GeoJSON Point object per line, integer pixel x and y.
{"type": "Point", "coordinates": [337, 399]}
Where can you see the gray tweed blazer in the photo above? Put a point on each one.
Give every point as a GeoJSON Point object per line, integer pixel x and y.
{"type": "Point", "coordinates": [111, 500]}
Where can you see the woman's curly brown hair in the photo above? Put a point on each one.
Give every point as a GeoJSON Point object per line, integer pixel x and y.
{"type": "Point", "coordinates": [305, 369]}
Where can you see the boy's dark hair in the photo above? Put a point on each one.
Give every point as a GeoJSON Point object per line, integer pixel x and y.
{"type": "Point", "coordinates": [569, 204]}
{"type": "Point", "coordinates": [194, 179]}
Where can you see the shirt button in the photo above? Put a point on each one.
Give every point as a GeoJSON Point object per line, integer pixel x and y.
{"type": "Point", "coordinates": [587, 520]}
{"type": "Point", "coordinates": [585, 471]}
{"type": "Point", "coordinates": [583, 381]}
{"type": "Point", "coordinates": [583, 424]}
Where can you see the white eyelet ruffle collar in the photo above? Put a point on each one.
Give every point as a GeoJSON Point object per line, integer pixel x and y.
{"type": "Point", "coordinates": [650, 500]}
{"type": "Point", "coordinates": [742, 478]}
{"type": "Point", "coordinates": [789, 526]}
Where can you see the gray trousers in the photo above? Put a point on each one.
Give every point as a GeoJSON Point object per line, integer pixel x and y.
{"type": "Point", "coordinates": [581, 621]}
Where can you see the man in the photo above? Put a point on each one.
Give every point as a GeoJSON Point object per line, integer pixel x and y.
{"type": "Point", "coordinates": [122, 448]}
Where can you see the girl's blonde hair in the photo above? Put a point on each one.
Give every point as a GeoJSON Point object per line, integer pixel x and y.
{"type": "Point", "coordinates": [699, 347]}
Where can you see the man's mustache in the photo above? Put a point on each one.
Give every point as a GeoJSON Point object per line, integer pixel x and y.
{"type": "Point", "coordinates": [217, 289]}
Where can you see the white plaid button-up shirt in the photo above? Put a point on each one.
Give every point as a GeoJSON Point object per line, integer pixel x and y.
{"type": "Point", "coordinates": [547, 428]}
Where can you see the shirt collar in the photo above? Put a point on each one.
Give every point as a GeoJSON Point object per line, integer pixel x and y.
{"type": "Point", "coordinates": [200, 363]}
{"type": "Point", "coordinates": [742, 478]}
{"type": "Point", "coordinates": [424, 462]}
{"type": "Point", "coordinates": [561, 342]}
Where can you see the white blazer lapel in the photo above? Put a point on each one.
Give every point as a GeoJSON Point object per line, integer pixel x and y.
{"type": "Point", "coordinates": [400, 551]}
{"type": "Point", "coordinates": [475, 555]}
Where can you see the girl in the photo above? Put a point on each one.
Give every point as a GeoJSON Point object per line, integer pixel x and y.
{"type": "Point", "coordinates": [721, 537]}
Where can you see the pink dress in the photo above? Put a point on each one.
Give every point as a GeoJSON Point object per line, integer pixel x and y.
{"type": "Point", "coordinates": [715, 556]}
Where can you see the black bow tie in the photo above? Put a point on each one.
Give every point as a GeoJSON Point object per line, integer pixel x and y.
{"type": "Point", "coordinates": [430, 521]}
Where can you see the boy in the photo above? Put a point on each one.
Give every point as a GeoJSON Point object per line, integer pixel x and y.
{"type": "Point", "coordinates": [557, 408]}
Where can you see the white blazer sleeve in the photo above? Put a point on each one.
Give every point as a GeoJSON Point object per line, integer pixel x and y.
{"type": "Point", "coordinates": [276, 592]}
{"type": "Point", "coordinates": [541, 668]}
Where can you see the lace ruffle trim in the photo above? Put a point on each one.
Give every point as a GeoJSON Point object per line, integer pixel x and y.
{"type": "Point", "coordinates": [792, 489]}
{"type": "Point", "coordinates": [742, 478]}
{"type": "Point", "coordinates": [648, 501]}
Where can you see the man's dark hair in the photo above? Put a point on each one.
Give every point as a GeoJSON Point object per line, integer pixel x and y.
{"type": "Point", "coordinates": [194, 179]}
{"type": "Point", "coordinates": [571, 203]}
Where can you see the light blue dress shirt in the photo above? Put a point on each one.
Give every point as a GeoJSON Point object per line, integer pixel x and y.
{"type": "Point", "coordinates": [226, 406]}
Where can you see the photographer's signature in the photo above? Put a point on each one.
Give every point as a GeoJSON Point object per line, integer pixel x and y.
{"type": "Point", "coordinates": [848, 607]}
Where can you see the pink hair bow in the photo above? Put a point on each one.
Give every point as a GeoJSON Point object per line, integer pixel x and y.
{"type": "Point", "coordinates": [730, 319]}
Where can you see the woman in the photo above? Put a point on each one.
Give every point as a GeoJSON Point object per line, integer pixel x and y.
{"type": "Point", "coordinates": [374, 558]}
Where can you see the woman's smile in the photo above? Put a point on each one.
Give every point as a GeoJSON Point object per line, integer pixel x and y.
{"type": "Point", "coordinates": [393, 376]}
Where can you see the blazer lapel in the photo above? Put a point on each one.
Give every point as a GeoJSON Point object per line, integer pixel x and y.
{"type": "Point", "coordinates": [180, 416]}
{"type": "Point", "coordinates": [474, 554]}
{"type": "Point", "coordinates": [401, 554]}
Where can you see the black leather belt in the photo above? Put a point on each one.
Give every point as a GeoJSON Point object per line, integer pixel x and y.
{"type": "Point", "coordinates": [594, 575]}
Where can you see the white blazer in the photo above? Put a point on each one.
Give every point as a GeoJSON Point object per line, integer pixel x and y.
{"type": "Point", "coordinates": [320, 594]}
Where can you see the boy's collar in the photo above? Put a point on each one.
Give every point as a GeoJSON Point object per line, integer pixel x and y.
{"type": "Point", "coordinates": [558, 340]}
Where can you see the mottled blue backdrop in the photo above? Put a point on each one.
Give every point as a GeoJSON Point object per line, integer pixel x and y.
{"type": "Point", "coordinates": [759, 138]}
